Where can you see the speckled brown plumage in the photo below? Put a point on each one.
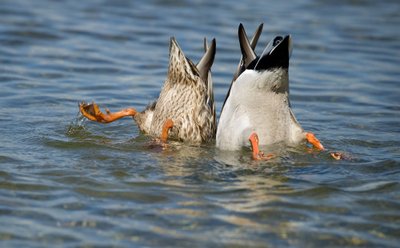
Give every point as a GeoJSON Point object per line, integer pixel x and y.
{"type": "Point", "coordinates": [185, 109]}
{"type": "Point", "coordinates": [186, 98]}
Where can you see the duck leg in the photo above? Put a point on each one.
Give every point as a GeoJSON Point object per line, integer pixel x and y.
{"type": "Point", "coordinates": [310, 137]}
{"type": "Point", "coordinates": [168, 124]}
{"type": "Point", "coordinates": [92, 112]}
{"type": "Point", "coordinates": [257, 154]}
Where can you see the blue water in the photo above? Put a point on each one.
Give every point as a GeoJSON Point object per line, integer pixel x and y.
{"type": "Point", "coordinates": [70, 182]}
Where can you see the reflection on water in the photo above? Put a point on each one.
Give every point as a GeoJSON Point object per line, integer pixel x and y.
{"type": "Point", "coordinates": [66, 181]}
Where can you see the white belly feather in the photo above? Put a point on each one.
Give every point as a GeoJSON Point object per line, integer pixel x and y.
{"type": "Point", "coordinates": [253, 109]}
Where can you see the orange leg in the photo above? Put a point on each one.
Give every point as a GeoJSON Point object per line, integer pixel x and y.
{"type": "Point", "coordinates": [257, 154]}
{"type": "Point", "coordinates": [317, 144]}
{"type": "Point", "coordinates": [92, 112]}
{"type": "Point", "coordinates": [314, 141]}
{"type": "Point", "coordinates": [168, 124]}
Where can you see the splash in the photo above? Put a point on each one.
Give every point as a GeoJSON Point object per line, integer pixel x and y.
{"type": "Point", "coordinates": [76, 126]}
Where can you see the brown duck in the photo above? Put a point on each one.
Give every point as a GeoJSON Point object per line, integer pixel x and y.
{"type": "Point", "coordinates": [185, 109]}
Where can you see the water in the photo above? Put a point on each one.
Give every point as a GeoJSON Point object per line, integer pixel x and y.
{"type": "Point", "coordinates": [70, 182]}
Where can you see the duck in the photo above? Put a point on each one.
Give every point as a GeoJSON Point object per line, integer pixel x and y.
{"type": "Point", "coordinates": [257, 110]}
{"type": "Point", "coordinates": [185, 108]}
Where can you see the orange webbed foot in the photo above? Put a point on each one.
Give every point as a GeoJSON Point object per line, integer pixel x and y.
{"type": "Point", "coordinates": [257, 154]}
{"type": "Point", "coordinates": [338, 155]}
{"type": "Point", "coordinates": [161, 144]}
{"type": "Point", "coordinates": [310, 137]}
{"type": "Point", "coordinates": [92, 112]}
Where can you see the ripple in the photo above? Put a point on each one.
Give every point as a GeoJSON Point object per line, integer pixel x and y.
{"type": "Point", "coordinates": [24, 186]}
{"type": "Point", "coordinates": [372, 186]}
{"type": "Point", "coordinates": [122, 195]}
{"type": "Point", "coordinates": [30, 34]}
{"type": "Point", "coordinates": [70, 182]}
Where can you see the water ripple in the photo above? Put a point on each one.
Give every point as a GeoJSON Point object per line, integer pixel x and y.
{"type": "Point", "coordinates": [65, 181]}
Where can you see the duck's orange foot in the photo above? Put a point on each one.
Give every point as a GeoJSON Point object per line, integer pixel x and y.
{"type": "Point", "coordinates": [257, 154]}
{"type": "Point", "coordinates": [336, 155]}
{"type": "Point", "coordinates": [262, 156]}
{"type": "Point", "coordinates": [314, 141]}
{"type": "Point", "coordinates": [92, 112]}
{"type": "Point", "coordinates": [340, 156]}
{"type": "Point", "coordinates": [160, 144]}
{"type": "Point", "coordinates": [317, 144]}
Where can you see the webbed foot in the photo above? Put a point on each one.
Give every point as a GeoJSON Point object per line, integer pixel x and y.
{"type": "Point", "coordinates": [257, 154]}
{"type": "Point", "coordinates": [310, 137]}
{"type": "Point", "coordinates": [93, 113]}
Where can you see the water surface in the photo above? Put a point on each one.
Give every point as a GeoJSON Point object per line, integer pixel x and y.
{"type": "Point", "coordinates": [70, 182]}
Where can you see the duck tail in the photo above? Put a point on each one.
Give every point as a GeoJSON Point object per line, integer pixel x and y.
{"type": "Point", "coordinates": [207, 60]}
{"type": "Point", "coordinates": [204, 67]}
{"type": "Point", "coordinates": [253, 44]}
{"type": "Point", "coordinates": [250, 47]}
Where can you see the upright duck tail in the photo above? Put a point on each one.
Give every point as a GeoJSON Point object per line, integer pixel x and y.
{"type": "Point", "coordinates": [204, 67]}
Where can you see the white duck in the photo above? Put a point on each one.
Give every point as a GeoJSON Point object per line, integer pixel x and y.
{"type": "Point", "coordinates": [257, 110]}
